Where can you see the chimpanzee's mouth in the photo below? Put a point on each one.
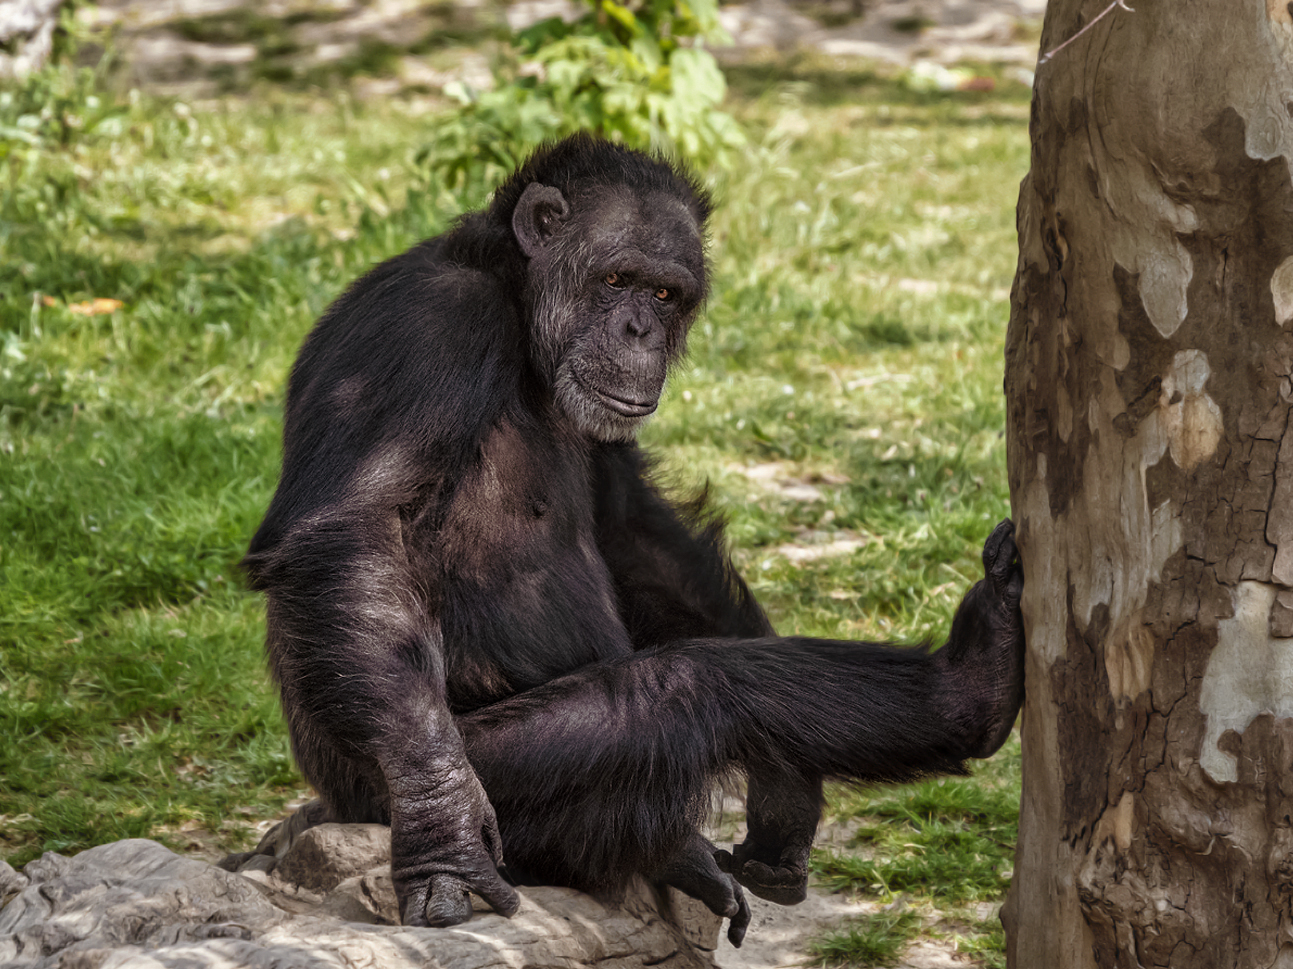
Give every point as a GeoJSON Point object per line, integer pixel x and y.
{"type": "Point", "coordinates": [627, 407]}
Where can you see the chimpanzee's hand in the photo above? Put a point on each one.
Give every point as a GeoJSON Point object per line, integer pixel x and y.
{"type": "Point", "coordinates": [983, 662]}
{"type": "Point", "coordinates": [444, 844]}
{"type": "Point", "coordinates": [781, 814]}
{"type": "Point", "coordinates": [694, 871]}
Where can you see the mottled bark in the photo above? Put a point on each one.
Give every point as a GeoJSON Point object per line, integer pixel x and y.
{"type": "Point", "coordinates": [1148, 374]}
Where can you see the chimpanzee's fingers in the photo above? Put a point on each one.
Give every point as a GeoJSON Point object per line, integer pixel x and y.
{"type": "Point", "coordinates": [490, 836]}
{"type": "Point", "coordinates": [448, 902]}
{"type": "Point", "coordinates": [413, 899]}
{"type": "Point", "coordinates": [741, 920]}
{"type": "Point", "coordinates": [501, 896]}
{"type": "Point", "coordinates": [448, 898]}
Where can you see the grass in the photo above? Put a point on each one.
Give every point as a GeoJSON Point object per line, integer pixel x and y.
{"type": "Point", "coordinates": [842, 396]}
{"type": "Point", "coordinates": [942, 849]}
{"type": "Point", "coordinates": [951, 839]}
{"type": "Point", "coordinates": [872, 940]}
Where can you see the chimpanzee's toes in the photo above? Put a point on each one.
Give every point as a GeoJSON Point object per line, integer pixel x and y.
{"type": "Point", "coordinates": [783, 886]}
{"type": "Point", "coordinates": [695, 870]}
{"type": "Point", "coordinates": [785, 883]}
{"type": "Point", "coordinates": [987, 649]}
{"type": "Point", "coordinates": [1001, 556]}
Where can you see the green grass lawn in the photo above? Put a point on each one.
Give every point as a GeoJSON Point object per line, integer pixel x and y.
{"type": "Point", "coordinates": [842, 397]}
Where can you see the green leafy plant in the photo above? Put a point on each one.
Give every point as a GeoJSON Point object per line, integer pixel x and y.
{"type": "Point", "coordinates": [54, 108]}
{"type": "Point", "coordinates": [638, 75]}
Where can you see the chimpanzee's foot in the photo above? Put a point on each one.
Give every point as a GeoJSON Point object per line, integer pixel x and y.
{"type": "Point", "coordinates": [279, 838]}
{"type": "Point", "coordinates": [694, 871]}
{"type": "Point", "coordinates": [983, 661]}
{"type": "Point", "coordinates": [781, 812]}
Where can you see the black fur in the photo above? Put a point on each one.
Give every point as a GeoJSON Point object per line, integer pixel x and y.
{"type": "Point", "coordinates": [491, 630]}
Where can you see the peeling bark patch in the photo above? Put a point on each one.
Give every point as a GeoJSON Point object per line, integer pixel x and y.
{"type": "Point", "coordinates": [1115, 825]}
{"type": "Point", "coordinates": [1129, 658]}
{"type": "Point", "coordinates": [1279, 523]}
{"type": "Point", "coordinates": [1281, 619]}
{"type": "Point", "coordinates": [1140, 374]}
{"type": "Point", "coordinates": [1084, 766]}
{"type": "Point", "coordinates": [1282, 291]}
{"type": "Point", "coordinates": [1192, 419]}
{"type": "Point", "coordinates": [1164, 282]}
{"type": "Point", "coordinates": [1279, 20]}
{"type": "Point", "coordinates": [1249, 673]}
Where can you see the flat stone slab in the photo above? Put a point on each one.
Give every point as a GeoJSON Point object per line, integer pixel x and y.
{"type": "Point", "coordinates": [328, 902]}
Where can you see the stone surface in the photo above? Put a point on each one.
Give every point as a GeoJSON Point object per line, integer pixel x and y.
{"type": "Point", "coordinates": [900, 32]}
{"type": "Point", "coordinates": [198, 48]}
{"type": "Point", "coordinates": [26, 35]}
{"type": "Point", "coordinates": [327, 902]}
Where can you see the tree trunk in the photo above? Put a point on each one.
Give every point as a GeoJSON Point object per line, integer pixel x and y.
{"type": "Point", "coordinates": [1148, 375]}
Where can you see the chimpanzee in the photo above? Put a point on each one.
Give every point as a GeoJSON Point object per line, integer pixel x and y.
{"type": "Point", "coordinates": [494, 633]}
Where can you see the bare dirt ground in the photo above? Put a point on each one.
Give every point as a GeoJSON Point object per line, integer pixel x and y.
{"type": "Point", "coordinates": [779, 937]}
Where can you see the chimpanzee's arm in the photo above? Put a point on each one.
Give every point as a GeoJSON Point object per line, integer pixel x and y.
{"type": "Point", "coordinates": [671, 570]}
{"type": "Point", "coordinates": [360, 664]}
{"type": "Point", "coordinates": [381, 412]}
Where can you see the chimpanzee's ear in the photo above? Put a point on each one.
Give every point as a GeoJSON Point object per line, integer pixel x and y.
{"type": "Point", "coordinates": [538, 214]}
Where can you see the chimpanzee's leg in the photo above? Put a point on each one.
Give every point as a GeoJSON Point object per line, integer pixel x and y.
{"type": "Point", "coordinates": [981, 672]}
{"type": "Point", "coordinates": [604, 773]}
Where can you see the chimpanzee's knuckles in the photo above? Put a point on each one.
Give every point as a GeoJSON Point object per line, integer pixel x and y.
{"type": "Point", "coordinates": [435, 889]}
{"type": "Point", "coordinates": [1001, 564]}
{"type": "Point", "coordinates": [448, 902]}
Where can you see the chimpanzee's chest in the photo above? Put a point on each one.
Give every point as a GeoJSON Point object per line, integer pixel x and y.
{"type": "Point", "coordinates": [527, 593]}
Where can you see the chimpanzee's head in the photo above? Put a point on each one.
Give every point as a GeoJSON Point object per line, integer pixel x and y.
{"type": "Point", "coordinates": [615, 243]}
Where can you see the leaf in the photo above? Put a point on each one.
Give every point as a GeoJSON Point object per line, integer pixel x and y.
{"type": "Point", "coordinates": [623, 16]}
{"type": "Point", "coordinates": [696, 73]}
{"type": "Point", "coordinates": [618, 71]}
{"type": "Point", "coordinates": [100, 306]}
{"type": "Point", "coordinates": [459, 92]}
{"type": "Point", "coordinates": [542, 33]}
{"type": "Point", "coordinates": [648, 52]}
{"type": "Point", "coordinates": [17, 134]}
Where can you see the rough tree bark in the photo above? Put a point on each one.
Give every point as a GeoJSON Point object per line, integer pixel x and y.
{"type": "Point", "coordinates": [1148, 374]}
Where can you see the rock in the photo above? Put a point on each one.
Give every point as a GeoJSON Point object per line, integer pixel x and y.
{"type": "Point", "coordinates": [328, 901]}
{"type": "Point", "coordinates": [322, 858]}
{"type": "Point", "coordinates": [26, 35]}
{"type": "Point", "coordinates": [11, 882]}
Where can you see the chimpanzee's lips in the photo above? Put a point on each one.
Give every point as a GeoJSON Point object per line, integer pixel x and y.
{"type": "Point", "coordinates": [627, 408]}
